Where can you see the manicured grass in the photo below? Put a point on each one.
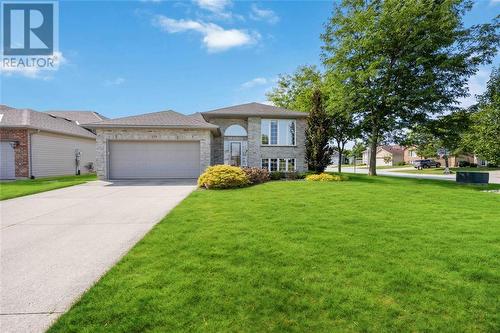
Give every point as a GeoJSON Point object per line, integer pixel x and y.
{"type": "Point", "coordinates": [440, 171]}
{"type": "Point", "coordinates": [371, 254]}
{"type": "Point", "coordinates": [18, 188]}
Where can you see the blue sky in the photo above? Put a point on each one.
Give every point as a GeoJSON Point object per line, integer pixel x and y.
{"type": "Point", "coordinates": [131, 57]}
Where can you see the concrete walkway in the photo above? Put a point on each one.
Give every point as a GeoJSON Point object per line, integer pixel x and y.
{"type": "Point", "coordinates": [56, 244]}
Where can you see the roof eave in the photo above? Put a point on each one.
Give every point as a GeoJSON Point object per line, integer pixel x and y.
{"type": "Point", "coordinates": [246, 115]}
{"type": "Point", "coordinates": [89, 136]}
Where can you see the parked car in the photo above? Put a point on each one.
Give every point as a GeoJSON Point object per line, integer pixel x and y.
{"type": "Point", "coordinates": [424, 164]}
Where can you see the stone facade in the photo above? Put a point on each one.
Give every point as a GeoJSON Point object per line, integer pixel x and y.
{"type": "Point", "coordinates": [21, 151]}
{"type": "Point", "coordinates": [124, 134]}
{"type": "Point", "coordinates": [218, 142]}
{"type": "Point", "coordinates": [211, 147]}
{"type": "Point", "coordinates": [257, 151]}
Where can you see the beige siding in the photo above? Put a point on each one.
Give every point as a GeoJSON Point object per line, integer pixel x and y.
{"type": "Point", "coordinates": [54, 154]}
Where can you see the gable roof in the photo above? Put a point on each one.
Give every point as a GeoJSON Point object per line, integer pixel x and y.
{"type": "Point", "coordinates": [164, 119]}
{"type": "Point", "coordinates": [80, 117]}
{"type": "Point", "coordinates": [253, 109]}
{"type": "Point", "coordinates": [26, 118]}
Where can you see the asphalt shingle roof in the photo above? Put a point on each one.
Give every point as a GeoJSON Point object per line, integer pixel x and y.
{"type": "Point", "coordinates": [253, 109]}
{"type": "Point", "coordinates": [168, 118]}
{"type": "Point", "coordinates": [26, 118]}
{"type": "Point", "coordinates": [81, 117]}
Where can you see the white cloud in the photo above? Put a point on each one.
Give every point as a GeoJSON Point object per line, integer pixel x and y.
{"type": "Point", "coordinates": [494, 2]}
{"type": "Point", "coordinates": [34, 72]}
{"type": "Point", "coordinates": [114, 82]}
{"type": "Point", "coordinates": [258, 81]}
{"type": "Point", "coordinates": [215, 38]}
{"type": "Point", "coordinates": [214, 6]}
{"type": "Point", "coordinates": [477, 86]}
{"type": "Point", "coordinates": [260, 14]}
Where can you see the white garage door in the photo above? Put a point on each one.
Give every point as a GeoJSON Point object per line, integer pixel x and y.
{"type": "Point", "coordinates": [55, 155]}
{"type": "Point", "coordinates": [154, 159]}
{"type": "Point", "coordinates": [7, 164]}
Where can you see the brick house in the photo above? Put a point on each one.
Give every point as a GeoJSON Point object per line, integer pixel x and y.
{"type": "Point", "coordinates": [168, 144]}
{"type": "Point", "coordinates": [38, 144]}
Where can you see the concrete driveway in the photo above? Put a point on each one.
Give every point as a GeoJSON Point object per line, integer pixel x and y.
{"type": "Point", "coordinates": [56, 244]}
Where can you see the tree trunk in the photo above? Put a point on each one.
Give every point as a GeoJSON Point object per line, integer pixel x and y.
{"type": "Point", "coordinates": [446, 165]}
{"type": "Point", "coordinates": [372, 170]}
{"type": "Point", "coordinates": [340, 161]}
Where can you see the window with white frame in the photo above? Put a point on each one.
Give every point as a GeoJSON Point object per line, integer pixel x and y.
{"type": "Point", "coordinates": [279, 164]}
{"type": "Point", "coordinates": [279, 132]}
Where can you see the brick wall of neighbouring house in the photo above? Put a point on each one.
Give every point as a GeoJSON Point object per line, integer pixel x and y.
{"type": "Point", "coordinates": [21, 150]}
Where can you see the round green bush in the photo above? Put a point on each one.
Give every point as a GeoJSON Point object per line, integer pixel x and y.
{"type": "Point", "coordinates": [223, 176]}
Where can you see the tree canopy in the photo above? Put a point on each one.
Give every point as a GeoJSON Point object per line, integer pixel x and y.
{"type": "Point", "coordinates": [403, 61]}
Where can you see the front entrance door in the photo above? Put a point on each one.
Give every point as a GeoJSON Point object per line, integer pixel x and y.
{"type": "Point", "coordinates": [235, 153]}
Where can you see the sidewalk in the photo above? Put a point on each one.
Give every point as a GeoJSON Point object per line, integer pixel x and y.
{"type": "Point", "coordinates": [494, 175]}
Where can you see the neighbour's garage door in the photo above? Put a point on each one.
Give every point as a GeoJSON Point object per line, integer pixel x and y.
{"type": "Point", "coordinates": [55, 154]}
{"type": "Point", "coordinates": [7, 165]}
{"type": "Point", "coordinates": [154, 159]}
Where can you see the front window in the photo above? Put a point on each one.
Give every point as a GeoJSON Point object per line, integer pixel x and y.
{"type": "Point", "coordinates": [264, 129]}
{"type": "Point", "coordinates": [265, 163]}
{"type": "Point", "coordinates": [279, 164]}
{"type": "Point", "coordinates": [279, 132]}
{"type": "Point", "coordinates": [282, 165]}
{"type": "Point", "coordinates": [274, 133]}
{"type": "Point", "coordinates": [273, 164]}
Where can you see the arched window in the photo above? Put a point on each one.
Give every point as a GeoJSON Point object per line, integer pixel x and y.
{"type": "Point", "coordinates": [235, 130]}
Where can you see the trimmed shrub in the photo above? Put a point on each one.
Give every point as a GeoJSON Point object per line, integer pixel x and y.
{"type": "Point", "coordinates": [277, 175]}
{"type": "Point", "coordinates": [401, 163]}
{"type": "Point", "coordinates": [223, 176]}
{"type": "Point", "coordinates": [463, 164]}
{"type": "Point", "coordinates": [473, 165]}
{"type": "Point", "coordinates": [326, 177]}
{"type": "Point", "coordinates": [257, 175]}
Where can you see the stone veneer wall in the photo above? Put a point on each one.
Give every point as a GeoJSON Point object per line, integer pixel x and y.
{"type": "Point", "coordinates": [127, 134]}
{"type": "Point", "coordinates": [218, 142]}
{"type": "Point", "coordinates": [21, 151]}
{"type": "Point", "coordinates": [256, 151]}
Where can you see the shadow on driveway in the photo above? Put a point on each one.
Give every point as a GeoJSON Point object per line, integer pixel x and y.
{"type": "Point", "coordinates": [145, 182]}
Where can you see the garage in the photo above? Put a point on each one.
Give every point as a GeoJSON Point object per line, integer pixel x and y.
{"type": "Point", "coordinates": [7, 160]}
{"type": "Point", "coordinates": [54, 154]}
{"type": "Point", "coordinates": [153, 159]}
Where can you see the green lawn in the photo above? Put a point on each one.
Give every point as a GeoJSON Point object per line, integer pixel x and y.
{"type": "Point", "coordinates": [371, 254]}
{"type": "Point", "coordinates": [20, 188]}
{"type": "Point", "coordinates": [440, 171]}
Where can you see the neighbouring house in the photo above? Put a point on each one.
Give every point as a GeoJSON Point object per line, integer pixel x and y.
{"type": "Point", "coordinates": [410, 155]}
{"type": "Point", "coordinates": [168, 144]}
{"type": "Point", "coordinates": [38, 144]}
{"type": "Point", "coordinates": [345, 159]}
{"type": "Point", "coordinates": [386, 155]}
{"type": "Point", "coordinates": [79, 117]}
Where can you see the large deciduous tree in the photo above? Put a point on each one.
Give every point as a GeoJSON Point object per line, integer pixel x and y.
{"type": "Point", "coordinates": [294, 91]}
{"type": "Point", "coordinates": [318, 150]}
{"type": "Point", "coordinates": [403, 60]}
{"type": "Point", "coordinates": [344, 127]}
{"type": "Point", "coordinates": [483, 136]}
